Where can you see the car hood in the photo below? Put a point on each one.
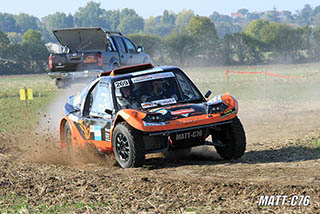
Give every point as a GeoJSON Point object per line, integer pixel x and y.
{"type": "Point", "coordinates": [82, 39]}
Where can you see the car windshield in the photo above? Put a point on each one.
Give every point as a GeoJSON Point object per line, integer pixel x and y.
{"type": "Point", "coordinates": [152, 90]}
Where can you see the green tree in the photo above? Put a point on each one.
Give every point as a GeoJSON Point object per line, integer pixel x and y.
{"type": "Point", "coordinates": [245, 49]}
{"type": "Point", "coordinates": [272, 15]}
{"type": "Point", "coordinates": [8, 23]}
{"type": "Point", "coordinates": [154, 26]}
{"type": "Point", "coordinates": [168, 18]}
{"type": "Point", "coordinates": [90, 16]}
{"type": "Point", "coordinates": [252, 16]}
{"type": "Point", "coordinates": [224, 28]}
{"type": "Point", "coordinates": [112, 17]}
{"type": "Point", "coordinates": [14, 37]}
{"type": "Point", "coordinates": [131, 24]}
{"type": "Point", "coordinates": [306, 15]}
{"type": "Point", "coordinates": [284, 40]}
{"type": "Point", "coordinates": [25, 22]}
{"type": "Point", "coordinates": [179, 46]}
{"type": "Point", "coordinates": [216, 18]}
{"type": "Point", "coordinates": [35, 52]}
{"type": "Point", "coordinates": [315, 44]}
{"type": "Point", "coordinates": [243, 11]}
{"type": "Point", "coordinates": [58, 20]}
{"type": "Point", "coordinates": [183, 19]}
{"type": "Point", "coordinates": [152, 44]}
{"type": "Point", "coordinates": [4, 44]}
{"type": "Point", "coordinates": [254, 28]}
{"type": "Point", "coordinates": [203, 30]}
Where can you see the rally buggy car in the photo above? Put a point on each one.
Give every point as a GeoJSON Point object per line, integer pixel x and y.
{"type": "Point", "coordinates": [137, 110]}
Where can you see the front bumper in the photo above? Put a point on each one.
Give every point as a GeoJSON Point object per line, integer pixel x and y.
{"type": "Point", "coordinates": [168, 132]}
{"type": "Point", "coordinates": [160, 141]}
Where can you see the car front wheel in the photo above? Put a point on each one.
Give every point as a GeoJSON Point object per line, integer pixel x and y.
{"type": "Point", "coordinates": [233, 140]}
{"type": "Point", "coordinates": [127, 146]}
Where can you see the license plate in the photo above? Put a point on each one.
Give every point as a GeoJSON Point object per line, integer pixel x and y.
{"type": "Point", "coordinates": [188, 135]}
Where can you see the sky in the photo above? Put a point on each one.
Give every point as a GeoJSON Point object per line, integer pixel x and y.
{"type": "Point", "coordinates": [147, 8]}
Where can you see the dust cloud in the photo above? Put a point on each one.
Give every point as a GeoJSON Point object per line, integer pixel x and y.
{"type": "Point", "coordinates": [42, 144]}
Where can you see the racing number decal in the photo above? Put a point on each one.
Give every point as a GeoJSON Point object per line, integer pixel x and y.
{"type": "Point", "coordinates": [187, 135]}
{"type": "Point", "coordinates": [121, 83]}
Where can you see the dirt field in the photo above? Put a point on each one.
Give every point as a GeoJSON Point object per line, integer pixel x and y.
{"type": "Point", "coordinates": [282, 159]}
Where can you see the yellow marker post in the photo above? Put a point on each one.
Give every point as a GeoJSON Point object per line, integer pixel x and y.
{"type": "Point", "coordinates": [23, 94]}
{"type": "Point", "coordinates": [30, 94]}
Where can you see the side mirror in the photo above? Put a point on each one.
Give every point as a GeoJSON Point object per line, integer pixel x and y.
{"type": "Point", "coordinates": [207, 95]}
{"type": "Point", "coordinates": [108, 111]}
{"type": "Point", "coordinates": [140, 49]}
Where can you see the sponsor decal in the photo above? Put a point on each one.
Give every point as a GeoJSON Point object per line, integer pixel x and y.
{"type": "Point", "coordinates": [85, 129]}
{"type": "Point", "coordinates": [161, 102]}
{"type": "Point", "coordinates": [217, 99]}
{"type": "Point", "coordinates": [96, 130]}
{"type": "Point", "coordinates": [226, 113]}
{"type": "Point", "coordinates": [121, 83]}
{"type": "Point", "coordinates": [154, 124]}
{"type": "Point", "coordinates": [107, 134]}
{"type": "Point", "coordinates": [90, 59]}
{"type": "Point", "coordinates": [183, 112]}
{"type": "Point", "coordinates": [188, 135]}
{"type": "Point", "coordinates": [160, 111]}
{"type": "Point", "coordinates": [152, 77]}
{"type": "Point", "coordinates": [147, 71]}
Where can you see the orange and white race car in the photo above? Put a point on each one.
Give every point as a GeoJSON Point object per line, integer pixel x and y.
{"type": "Point", "coordinates": [137, 110]}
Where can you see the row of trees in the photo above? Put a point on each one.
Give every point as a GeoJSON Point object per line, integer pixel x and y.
{"type": "Point", "coordinates": [183, 38]}
{"type": "Point", "coordinates": [261, 42]}
{"type": "Point", "coordinates": [29, 55]}
{"type": "Point", "coordinates": [128, 21]}
{"type": "Point", "coordinates": [197, 44]}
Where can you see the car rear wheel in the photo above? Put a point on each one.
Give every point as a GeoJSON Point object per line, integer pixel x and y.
{"type": "Point", "coordinates": [128, 146]}
{"type": "Point", "coordinates": [67, 136]}
{"type": "Point", "coordinates": [233, 140]}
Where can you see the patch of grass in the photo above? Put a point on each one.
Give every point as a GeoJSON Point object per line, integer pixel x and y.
{"type": "Point", "coordinates": [260, 86]}
{"type": "Point", "coordinates": [17, 115]}
{"type": "Point", "coordinates": [312, 143]}
{"type": "Point", "coordinates": [12, 203]}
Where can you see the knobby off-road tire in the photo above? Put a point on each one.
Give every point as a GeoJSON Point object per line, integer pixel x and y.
{"type": "Point", "coordinates": [67, 136]}
{"type": "Point", "coordinates": [128, 146]}
{"type": "Point", "coordinates": [234, 140]}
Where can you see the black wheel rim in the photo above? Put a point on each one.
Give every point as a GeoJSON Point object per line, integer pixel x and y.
{"type": "Point", "coordinates": [122, 147]}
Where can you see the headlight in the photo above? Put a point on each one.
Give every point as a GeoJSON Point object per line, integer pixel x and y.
{"type": "Point", "coordinates": [217, 108]}
{"type": "Point", "coordinates": [153, 118]}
